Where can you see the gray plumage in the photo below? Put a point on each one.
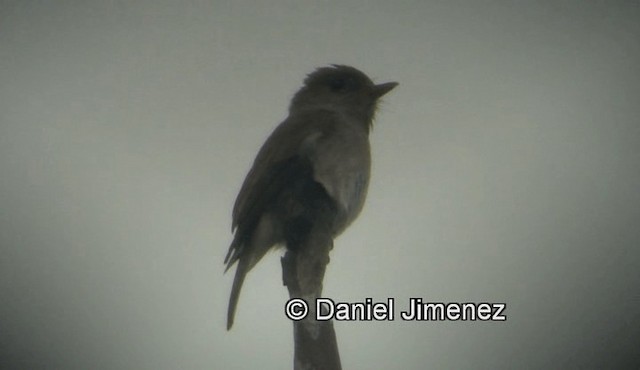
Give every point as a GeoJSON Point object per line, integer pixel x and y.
{"type": "Point", "coordinates": [311, 175]}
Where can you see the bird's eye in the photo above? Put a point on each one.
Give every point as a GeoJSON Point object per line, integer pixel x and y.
{"type": "Point", "coordinates": [338, 84]}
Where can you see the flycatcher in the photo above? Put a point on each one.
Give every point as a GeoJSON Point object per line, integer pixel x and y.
{"type": "Point", "coordinates": [310, 177]}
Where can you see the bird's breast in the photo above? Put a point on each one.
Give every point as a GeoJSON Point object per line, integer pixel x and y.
{"type": "Point", "coordinates": [344, 171]}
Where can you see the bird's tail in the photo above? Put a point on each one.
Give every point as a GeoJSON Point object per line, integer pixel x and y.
{"type": "Point", "coordinates": [238, 280]}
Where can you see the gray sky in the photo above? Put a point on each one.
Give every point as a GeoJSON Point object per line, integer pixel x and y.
{"type": "Point", "coordinates": [506, 169]}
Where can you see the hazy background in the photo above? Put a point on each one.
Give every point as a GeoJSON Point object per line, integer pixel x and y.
{"type": "Point", "coordinates": [506, 169]}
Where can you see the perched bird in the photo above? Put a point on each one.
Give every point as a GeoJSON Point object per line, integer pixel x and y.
{"type": "Point", "coordinates": [312, 173]}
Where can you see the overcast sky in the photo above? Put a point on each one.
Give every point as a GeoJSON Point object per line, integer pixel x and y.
{"type": "Point", "coordinates": [506, 168]}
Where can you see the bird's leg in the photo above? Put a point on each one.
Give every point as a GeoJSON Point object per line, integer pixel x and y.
{"type": "Point", "coordinates": [288, 268]}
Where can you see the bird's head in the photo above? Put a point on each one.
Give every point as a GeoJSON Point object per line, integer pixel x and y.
{"type": "Point", "coordinates": [343, 89]}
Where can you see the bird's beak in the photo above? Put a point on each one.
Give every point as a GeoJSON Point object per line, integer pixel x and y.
{"type": "Point", "coordinates": [378, 90]}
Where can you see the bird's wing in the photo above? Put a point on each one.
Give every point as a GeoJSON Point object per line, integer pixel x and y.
{"type": "Point", "coordinates": [273, 181]}
{"type": "Point", "coordinates": [285, 154]}
{"type": "Point", "coordinates": [291, 139]}
{"type": "Point", "coordinates": [256, 233]}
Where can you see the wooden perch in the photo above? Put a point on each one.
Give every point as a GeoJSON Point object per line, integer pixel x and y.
{"type": "Point", "coordinates": [303, 271]}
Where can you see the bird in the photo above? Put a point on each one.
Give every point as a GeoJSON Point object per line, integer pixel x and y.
{"type": "Point", "coordinates": [311, 175]}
